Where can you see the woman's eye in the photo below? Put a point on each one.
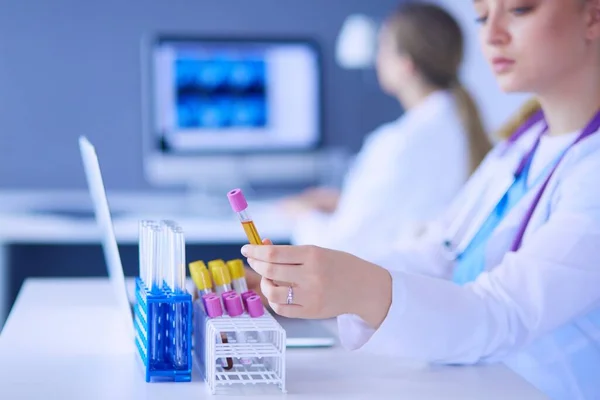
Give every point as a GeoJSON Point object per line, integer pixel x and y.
{"type": "Point", "coordinates": [521, 10]}
{"type": "Point", "coordinates": [481, 19]}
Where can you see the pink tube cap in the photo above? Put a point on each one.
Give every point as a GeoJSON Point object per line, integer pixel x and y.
{"type": "Point", "coordinates": [245, 296]}
{"type": "Point", "coordinates": [254, 306]}
{"type": "Point", "coordinates": [233, 305]}
{"type": "Point", "coordinates": [212, 305]}
{"type": "Point", "coordinates": [227, 293]}
{"type": "Point", "coordinates": [237, 200]}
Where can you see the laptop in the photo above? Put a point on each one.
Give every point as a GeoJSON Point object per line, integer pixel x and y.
{"type": "Point", "coordinates": [299, 333]}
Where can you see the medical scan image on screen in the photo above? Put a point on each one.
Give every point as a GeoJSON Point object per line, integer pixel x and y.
{"type": "Point", "coordinates": [234, 95]}
{"type": "Point", "coordinates": [226, 91]}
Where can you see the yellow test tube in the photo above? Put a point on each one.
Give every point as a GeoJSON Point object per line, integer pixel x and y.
{"type": "Point", "coordinates": [220, 276]}
{"type": "Point", "coordinates": [201, 277]}
{"type": "Point", "coordinates": [238, 275]}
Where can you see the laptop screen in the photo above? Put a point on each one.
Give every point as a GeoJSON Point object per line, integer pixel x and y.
{"type": "Point", "coordinates": [103, 219]}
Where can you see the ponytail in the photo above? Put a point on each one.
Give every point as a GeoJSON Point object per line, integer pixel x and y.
{"type": "Point", "coordinates": [529, 108]}
{"type": "Point", "coordinates": [433, 40]}
{"type": "Point", "coordinates": [479, 142]}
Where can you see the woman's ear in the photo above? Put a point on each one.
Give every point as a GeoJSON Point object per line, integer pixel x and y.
{"type": "Point", "coordinates": [592, 10]}
{"type": "Point", "coordinates": [407, 64]}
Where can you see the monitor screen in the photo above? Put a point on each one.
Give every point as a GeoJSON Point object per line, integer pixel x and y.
{"type": "Point", "coordinates": [217, 95]}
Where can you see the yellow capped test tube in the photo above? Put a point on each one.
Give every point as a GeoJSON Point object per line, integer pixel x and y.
{"type": "Point", "coordinates": [220, 276]}
{"type": "Point", "coordinates": [238, 275]}
{"type": "Point", "coordinates": [201, 277]}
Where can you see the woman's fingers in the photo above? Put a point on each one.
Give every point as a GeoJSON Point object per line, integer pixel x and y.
{"type": "Point", "coordinates": [289, 311]}
{"type": "Point", "coordinates": [279, 294]}
{"type": "Point", "coordinates": [269, 242]}
{"type": "Point", "coordinates": [280, 273]}
{"type": "Point", "coordinates": [277, 298]}
{"type": "Point", "coordinates": [276, 254]}
{"type": "Point", "coordinates": [253, 280]}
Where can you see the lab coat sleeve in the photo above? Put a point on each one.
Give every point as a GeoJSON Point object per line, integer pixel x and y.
{"type": "Point", "coordinates": [551, 280]}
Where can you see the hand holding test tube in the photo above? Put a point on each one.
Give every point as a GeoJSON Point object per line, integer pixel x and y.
{"type": "Point", "coordinates": [240, 207]}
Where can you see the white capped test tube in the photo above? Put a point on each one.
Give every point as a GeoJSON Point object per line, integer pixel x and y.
{"type": "Point", "coordinates": [177, 285]}
{"type": "Point", "coordinates": [178, 260]}
{"type": "Point", "coordinates": [144, 247]}
{"type": "Point", "coordinates": [170, 256]}
{"type": "Point", "coordinates": [155, 257]}
{"type": "Point", "coordinates": [142, 272]}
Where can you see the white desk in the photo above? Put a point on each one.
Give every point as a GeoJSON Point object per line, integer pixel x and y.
{"type": "Point", "coordinates": [54, 346]}
{"type": "Point", "coordinates": [22, 221]}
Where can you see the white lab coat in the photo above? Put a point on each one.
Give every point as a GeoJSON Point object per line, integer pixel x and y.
{"type": "Point", "coordinates": [407, 172]}
{"type": "Point", "coordinates": [537, 309]}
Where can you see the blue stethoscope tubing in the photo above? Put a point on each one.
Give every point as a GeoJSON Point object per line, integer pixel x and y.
{"type": "Point", "coordinates": [464, 215]}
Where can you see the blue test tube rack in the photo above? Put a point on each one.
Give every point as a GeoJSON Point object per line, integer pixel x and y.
{"type": "Point", "coordinates": [164, 344]}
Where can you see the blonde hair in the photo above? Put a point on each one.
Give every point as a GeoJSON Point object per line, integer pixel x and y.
{"type": "Point", "coordinates": [432, 38]}
{"type": "Point", "coordinates": [524, 112]}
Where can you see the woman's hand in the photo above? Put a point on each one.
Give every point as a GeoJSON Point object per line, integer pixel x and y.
{"type": "Point", "coordinates": [325, 283]}
{"type": "Point", "coordinates": [253, 280]}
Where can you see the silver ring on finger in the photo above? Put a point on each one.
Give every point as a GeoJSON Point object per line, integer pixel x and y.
{"type": "Point", "coordinates": [290, 296]}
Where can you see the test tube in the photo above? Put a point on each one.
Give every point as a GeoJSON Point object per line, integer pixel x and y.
{"type": "Point", "coordinates": [168, 247]}
{"type": "Point", "coordinates": [240, 206]}
{"type": "Point", "coordinates": [255, 309]}
{"type": "Point", "coordinates": [178, 286]}
{"type": "Point", "coordinates": [201, 278]}
{"type": "Point", "coordinates": [152, 257]}
{"type": "Point", "coordinates": [144, 249]}
{"type": "Point", "coordinates": [156, 254]}
{"type": "Point", "coordinates": [141, 249]}
{"type": "Point", "coordinates": [220, 276]}
{"type": "Point", "coordinates": [178, 260]}
{"type": "Point", "coordinates": [204, 285]}
{"type": "Point", "coordinates": [238, 276]}
{"type": "Point", "coordinates": [148, 255]}
{"type": "Point", "coordinates": [168, 254]}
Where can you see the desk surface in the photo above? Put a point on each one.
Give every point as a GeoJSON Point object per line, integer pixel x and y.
{"type": "Point", "coordinates": [54, 346]}
{"type": "Point", "coordinates": [59, 217]}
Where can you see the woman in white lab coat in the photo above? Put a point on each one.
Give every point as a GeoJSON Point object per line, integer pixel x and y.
{"type": "Point", "coordinates": [422, 159]}
{"type": "Point", "coordinates": [512, 272]}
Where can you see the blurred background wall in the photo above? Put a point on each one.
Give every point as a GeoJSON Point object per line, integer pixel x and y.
{"type": "Point", "coordinates": [72, 67]}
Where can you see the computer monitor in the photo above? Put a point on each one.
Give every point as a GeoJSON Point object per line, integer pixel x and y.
{"type": "Point", "coordinates": [225, 109]}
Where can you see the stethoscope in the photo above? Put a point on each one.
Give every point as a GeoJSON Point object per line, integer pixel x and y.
{"type": "Point", "coordinates": [470, 217]}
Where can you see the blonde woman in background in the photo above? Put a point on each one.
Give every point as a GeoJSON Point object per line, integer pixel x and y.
{"type": "Point", "coordinates": [418, 162]}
